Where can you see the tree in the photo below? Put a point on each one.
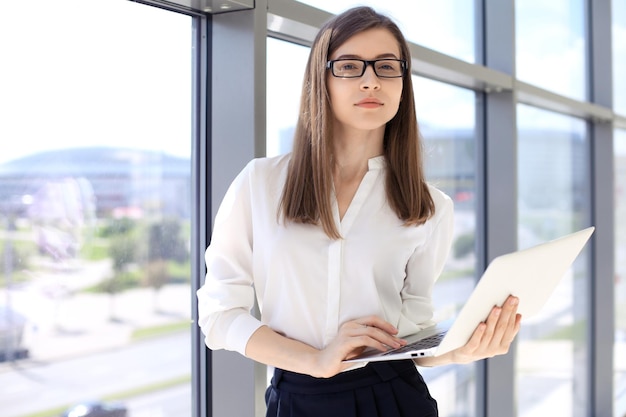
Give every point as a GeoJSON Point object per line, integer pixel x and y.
{"type": "Point", "coordinates": [165, 243]}
{"type": "Point", "coordinates": [156, 276]}
{"type": "Point", "coordinates": [123, 250]}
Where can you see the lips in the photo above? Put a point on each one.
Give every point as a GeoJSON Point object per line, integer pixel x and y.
{"type": "Point", "coordinates": [369, 102]}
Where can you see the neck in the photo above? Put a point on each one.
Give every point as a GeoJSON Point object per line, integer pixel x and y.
{"type": "Point", "coordinates": [353, 149]}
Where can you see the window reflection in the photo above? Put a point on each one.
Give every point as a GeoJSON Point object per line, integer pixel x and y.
{"type": "Point", "coordinates": [95, 208]}
{"type": "Point", "coordinates": [619, 355]}
{"type": "Point", "coordinates": [447, 26]}
{"type": "Point", "coordinates": [619, 56]}
{"type": "Point", "coordinates": [551, 361]}
{"type": "Point", "coordinates": [550, 45]}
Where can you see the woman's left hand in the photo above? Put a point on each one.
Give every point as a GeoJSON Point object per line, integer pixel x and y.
{"type": "Point", "coordinates": [493, 336]}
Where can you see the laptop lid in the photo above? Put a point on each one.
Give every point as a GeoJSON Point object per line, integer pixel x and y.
{"type": "Point", "coordinates": [530, 274]}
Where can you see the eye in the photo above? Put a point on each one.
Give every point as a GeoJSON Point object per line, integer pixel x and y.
{"type": "Point", "coordinates": [349, 65]}
{"type": "Point", "coordinates": [388, 66]}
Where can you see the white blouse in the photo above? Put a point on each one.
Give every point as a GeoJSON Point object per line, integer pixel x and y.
{"type": "Point", "coordinates": [307, 284]}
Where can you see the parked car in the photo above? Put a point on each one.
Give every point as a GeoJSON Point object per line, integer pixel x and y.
{"type": "Point", "coordinates": [96, 409]}
{"type": "Point", "coordinates": [12, 326]}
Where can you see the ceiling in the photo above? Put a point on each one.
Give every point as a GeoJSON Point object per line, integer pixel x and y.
{"type": "Point", "coordinates": [210, 6]}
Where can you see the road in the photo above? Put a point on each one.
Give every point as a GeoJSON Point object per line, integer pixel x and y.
{"type": "Point", "coordinates": [94, 376]}
{"type": "Point", "coordinates": [171, 402]}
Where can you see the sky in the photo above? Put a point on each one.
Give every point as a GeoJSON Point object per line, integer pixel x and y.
{"type": "Point", "coordinates": [120, 75]}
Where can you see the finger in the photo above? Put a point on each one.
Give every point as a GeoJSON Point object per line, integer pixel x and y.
{"type": "Point", "coordinates": [509, 319]}
{"type": "Point", "coordinates": [490, 326]}
{"type": "Point", "coordinates": [384, 334]}
{"type": "Point", "coordinates": [476, 340]}
{"type": "Point", "coordinates": [356, 352]}
{"type": "Point", "coordinates": [505, 321]}
{"type": "Point", "coordinates": [511, 305]}
{"type": "Point", "coordinates": [504, 330]}
{"type": "Point", "coordinates": [514, 327]}
{"type": "Point", "coordinates": [366, 340]}
{"type": "Point", "coordinates": [381, 330]}
{"type": "Point", "coordinates": [375, 321]}
{"type": "Point", "coordinates": [383, 337]}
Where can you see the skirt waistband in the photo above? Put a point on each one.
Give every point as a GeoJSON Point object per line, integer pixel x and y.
{"type": "Point", "coordinates": [372, 373]}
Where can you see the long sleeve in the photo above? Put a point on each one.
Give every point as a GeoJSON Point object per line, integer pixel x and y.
{"type": "Point", "coordinates": [425, 265]}
{"type": "Point", "coordinates": [227, 296]}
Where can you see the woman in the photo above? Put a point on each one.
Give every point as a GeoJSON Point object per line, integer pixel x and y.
{"type": "Point", "coordinates": [340, 241]}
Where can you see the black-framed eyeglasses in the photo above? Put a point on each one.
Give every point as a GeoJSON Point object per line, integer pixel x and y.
{"type": "Point", "coordinates": [355, 68]}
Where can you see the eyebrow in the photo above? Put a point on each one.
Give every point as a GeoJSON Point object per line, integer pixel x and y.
{"type": "Point", "coordinates": [382, 56]}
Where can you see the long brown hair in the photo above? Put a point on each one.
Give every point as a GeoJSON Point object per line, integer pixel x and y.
{"type": "Point", "coordinates": [306, 196]}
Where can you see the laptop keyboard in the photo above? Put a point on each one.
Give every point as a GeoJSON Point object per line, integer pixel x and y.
{"type": "Point", "coordinates": [425, 343]}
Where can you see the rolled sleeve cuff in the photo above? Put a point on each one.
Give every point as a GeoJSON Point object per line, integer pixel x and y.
{"type": "Point", "coordinates": [240, 332]}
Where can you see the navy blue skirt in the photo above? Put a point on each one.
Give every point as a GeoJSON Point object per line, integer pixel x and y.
{"type": "Point", "coordinates": [380, 389]}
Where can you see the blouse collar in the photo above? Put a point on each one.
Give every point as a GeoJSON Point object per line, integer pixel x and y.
{"type": "Point", "coordinates": [377, 162]}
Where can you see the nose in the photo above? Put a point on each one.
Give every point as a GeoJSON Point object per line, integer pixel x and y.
{"type": "Point", "coordinates": [369, 80]}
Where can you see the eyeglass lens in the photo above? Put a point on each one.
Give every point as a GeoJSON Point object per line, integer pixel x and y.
{"type": "Point", "coordinates": [352, 68]}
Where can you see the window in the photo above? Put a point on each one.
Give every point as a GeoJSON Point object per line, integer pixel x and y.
{"type": "Point", "coordinates": [283, 104]}
{"type": "Point", "coordinates": [450, 160]}
{"type": "Point", "coordinates": [550, 42]}
{"type": "Point", "coordinates": [619, 356]}
{"type": "Point", "coordinates": [551, 363]}
{"type": "Point", "coordinates": [95, 207]}
{"type": "Point", "coordinates": [447, 26]}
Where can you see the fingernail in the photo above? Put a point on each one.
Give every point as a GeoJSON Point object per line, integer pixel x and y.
{"type": "Point", "coordinates": [513, 301]}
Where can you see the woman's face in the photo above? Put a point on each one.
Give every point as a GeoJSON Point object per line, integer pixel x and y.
{"type": "Point", "coordinates": [368, 102]}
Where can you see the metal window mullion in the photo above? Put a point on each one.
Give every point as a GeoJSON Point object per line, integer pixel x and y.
{"type": "Point", "coordinates": [538, 97]}
{"type": "Point", "coordinates": [238, 130]}
{"type": "Point", "coordinates": [601, 305]}
{"type": "Point", "coordinates": [498, 216]}
{"type": "Point", "coordinates": [200, 208]}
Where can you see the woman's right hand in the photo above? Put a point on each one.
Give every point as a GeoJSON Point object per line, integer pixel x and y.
{"type": "Point", "coordinates": [271, 348]}
{"type": "Point", "coordinates": [353, 338]}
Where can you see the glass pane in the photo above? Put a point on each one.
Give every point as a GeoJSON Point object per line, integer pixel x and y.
{"type": "Point", "coordinates": [619, 56]}
{"type": "Point", "coordinates": [550, 45]}
{"type": "Point", "coordinates": [450, 145]}
{"type": "Point", "coordinates": [446, 26]}
{"type": "Point", "coordinates": [551, 361]}
{"type": "Point", "coordinates": [95, 208]}
{"type": "Point", "coordinates": [620, 273]}
{"type": "Point", "coordinates": [283, 104]}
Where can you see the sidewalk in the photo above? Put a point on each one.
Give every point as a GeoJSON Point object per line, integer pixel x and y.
{"type": "Point", "coordinates": [63, 322]}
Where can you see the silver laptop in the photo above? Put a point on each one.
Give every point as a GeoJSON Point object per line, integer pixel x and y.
{"type": "Point", "coordinates": [530, 274]}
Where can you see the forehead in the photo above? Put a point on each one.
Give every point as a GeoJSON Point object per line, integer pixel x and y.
{"type": "Point", "coordinates": [369, 44]}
